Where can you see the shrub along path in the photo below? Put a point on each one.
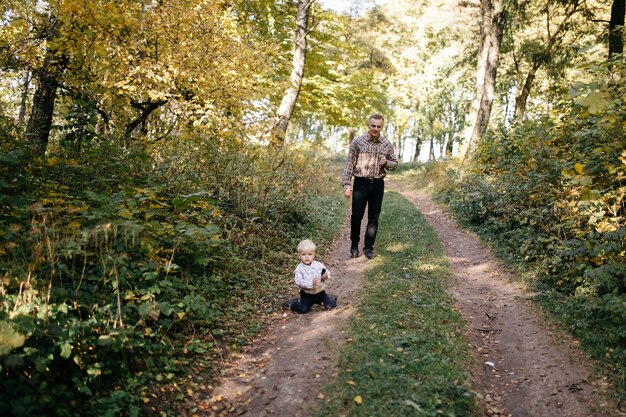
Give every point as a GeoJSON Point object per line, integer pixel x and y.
{"type": "Point", "coordinates": [520, 368]}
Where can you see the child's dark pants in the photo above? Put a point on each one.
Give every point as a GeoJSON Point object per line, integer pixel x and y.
{"type": "Point", "coordinates": [306, 301]}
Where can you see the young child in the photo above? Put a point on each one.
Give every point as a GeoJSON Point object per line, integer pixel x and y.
{"type": "Point", "coordinates": [311, 277]}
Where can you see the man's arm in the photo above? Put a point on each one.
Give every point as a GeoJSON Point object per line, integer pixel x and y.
{"type": "Point", "coordinates": [392, 159]}
{"type": "Point", "coordinates": [348, 170]}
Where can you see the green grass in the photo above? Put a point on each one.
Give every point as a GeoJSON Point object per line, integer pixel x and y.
{"type": "Point", "coordinates": [407, 356]}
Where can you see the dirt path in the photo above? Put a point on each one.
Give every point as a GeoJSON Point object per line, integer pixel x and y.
{"type": "Point", "coordinates": [281, 376]}
{"type": "Point", "coordinates": [523, 370]}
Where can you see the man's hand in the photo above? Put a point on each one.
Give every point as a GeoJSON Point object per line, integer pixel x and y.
{"type": "Point", "coordinates": [347, 192]}
{"type": "Point", "coordinates": [383, 160]}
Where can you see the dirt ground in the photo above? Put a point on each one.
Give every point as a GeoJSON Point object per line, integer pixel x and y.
{"type": "Point", "coordinates": [522, 369]}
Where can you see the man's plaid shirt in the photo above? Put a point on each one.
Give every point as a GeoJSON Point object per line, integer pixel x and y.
{"type": "Point", "coordinates": [363, 159]}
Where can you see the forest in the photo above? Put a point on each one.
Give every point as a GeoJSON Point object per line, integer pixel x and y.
{"type": "Point", "coordinates": [159, 162]}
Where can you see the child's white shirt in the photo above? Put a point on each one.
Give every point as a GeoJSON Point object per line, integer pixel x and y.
{"type": "Point", "coordinates": [305, 274]}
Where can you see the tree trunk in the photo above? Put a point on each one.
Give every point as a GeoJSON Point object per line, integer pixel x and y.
{"type": "Point", "coordinates": [481, 58]}
{"type": "Point", "coordinates": [483, 47]}
{"type": "Point", "coordinates": [449, 147]}
{"type": "Point", "coordinates": [616, 28]}
{"type": "Point", "coordinates": [431, 151]}
{"type": "Point", "coordinates": [288, 104]}
{"type": "Point", "coordinates": [146, 109]}
{"type": "Point", "coordinates": [442, 145]}
{"type": "Point", "coordinates": [494, 31]}
{"type": "Point", "coordinates": [418, 146]}
{"type": "Point", "coordinates": [522, 97]}
{"type": "Point", "coordinates": [554, 40]}
{"type": "Point", "coordinates": [351, 135]}
{"type": "Point", "coordinates": [24, 98]}
{"type": "Point", "coordinates": [40, 122]}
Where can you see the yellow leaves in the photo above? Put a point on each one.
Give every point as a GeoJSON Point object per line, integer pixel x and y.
{"type": "Point", "coordinates": [576, 176]}
{"type": "Point", "coordinates": [595, 102]}
{"type": "Point", "coordinates": [358, 400]}
{"type": "Point", "coordinates": [578, 168]}
{"type": "Point", "coordinates": [73, 225]}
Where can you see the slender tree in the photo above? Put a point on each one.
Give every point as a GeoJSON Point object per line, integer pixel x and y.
{"type": "Point", "coordinates": [616, 28]}
{"type": "Point", "coordinates": [288, 103]}
{"type": "Point", "coordinates": [419, 138]}
{"type": "Point", "coordinates": [24, 97]}
{"type": "Point", "coordinates": [493, 20]}
{"type": "Point", "coordinates": [47, 78]}
{"type": "Point", "coordinates": [553, 39]}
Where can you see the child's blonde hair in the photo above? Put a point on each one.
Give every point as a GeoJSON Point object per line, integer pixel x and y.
{"type": "Point", "coordinates": [306, 245]}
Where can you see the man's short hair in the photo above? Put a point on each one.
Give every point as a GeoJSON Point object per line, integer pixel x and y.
{"type": "Point", "coordinates": [377, 117]}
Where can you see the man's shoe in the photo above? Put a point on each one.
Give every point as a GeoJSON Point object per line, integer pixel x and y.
{"type": "Point", "coordinates": [369, 253]}
{"type": "Point", "coordinates": [354, 252]}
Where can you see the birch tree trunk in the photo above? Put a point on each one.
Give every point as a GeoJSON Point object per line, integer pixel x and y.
{"type": "Point", "coordinates": [494, 19]}
{"type": "Point", "coordinates": [24, 98]}
{"type": "Point", "coordinates": [288, 103]}
{"type": "Point", "coordinates": [431, 150]}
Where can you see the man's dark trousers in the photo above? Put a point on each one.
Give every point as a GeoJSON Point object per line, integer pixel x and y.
{"type": "Point", "coordinates": [366, 192]}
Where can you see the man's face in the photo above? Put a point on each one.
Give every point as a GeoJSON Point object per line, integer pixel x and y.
{"type": "Point", "coordinates": [375, 126]}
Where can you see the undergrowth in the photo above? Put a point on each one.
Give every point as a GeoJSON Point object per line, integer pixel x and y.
{"type": "Point", "coordinates": [128, 273]}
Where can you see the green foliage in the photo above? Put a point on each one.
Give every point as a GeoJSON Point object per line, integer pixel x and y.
{"type": "Point", "coordinates": [14, 172]}
{"type": "Point", "coordinates": [407, 355]}
{"type": "Point", "coordinates": [121, 269]}
{"type": "Point", "coordinates": [549, 193]}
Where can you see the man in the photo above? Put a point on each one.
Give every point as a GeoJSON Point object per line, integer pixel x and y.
{"type": "Point", "coordinates": [369, 157]}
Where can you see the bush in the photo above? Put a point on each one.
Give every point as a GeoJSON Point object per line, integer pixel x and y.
{"type": "Point", "coordinates": [122, 268]}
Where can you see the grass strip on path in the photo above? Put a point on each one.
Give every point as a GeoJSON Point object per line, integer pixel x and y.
{"type": "Point", "coordinates": [407, 355]}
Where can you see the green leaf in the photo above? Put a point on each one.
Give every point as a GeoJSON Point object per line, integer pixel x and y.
{"type": "Point", "coordinates": [594, 102]}
{"type": "Point", "coordinates": [149, 310]}
{"type": "Point", "coordinates": [165, 308]}
{"type": "Point", "coordinates": [125, 213]}
{"type": "Point", "coordinates": [105, 340]}
{"type": "Point", "coordinates": [66, 350]}
{"type": "Point", "coordinates": [577, 89]}
{"type": "Point", "coordinates": [9, 338]}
